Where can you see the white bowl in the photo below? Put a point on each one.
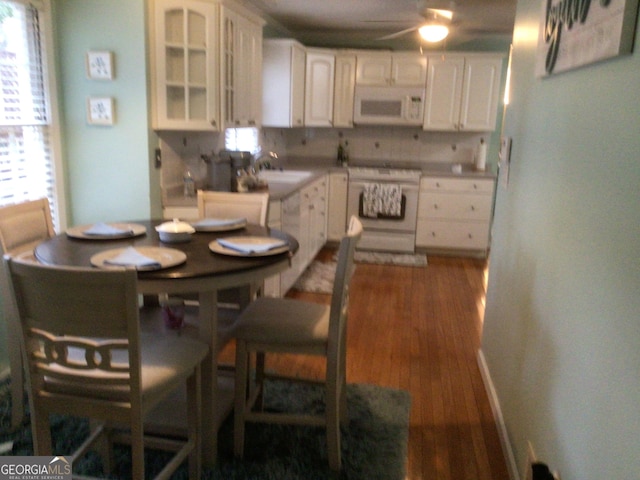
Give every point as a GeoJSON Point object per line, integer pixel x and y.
{"type": "Point", "coordinates": [175, 231]}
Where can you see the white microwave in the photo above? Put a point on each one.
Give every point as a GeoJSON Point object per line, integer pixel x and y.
{"type": "Point", "coordinates": [388, 105]}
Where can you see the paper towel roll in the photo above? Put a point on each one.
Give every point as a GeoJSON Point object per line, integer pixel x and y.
{"type": "Point", "coordinates": [481, 156]}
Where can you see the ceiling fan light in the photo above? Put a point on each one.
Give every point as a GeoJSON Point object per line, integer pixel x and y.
{"type": "Point", "coordinates": [433, 32]}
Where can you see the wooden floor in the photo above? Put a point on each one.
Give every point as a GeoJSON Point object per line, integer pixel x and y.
{"type": "Point", "coordinates": [418, 329]}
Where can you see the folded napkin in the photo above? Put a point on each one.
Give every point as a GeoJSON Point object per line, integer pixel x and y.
{"type": "Point", "coordinates": [249, 247]}
{"type": "Point", "coordinates": [130, 257]}
{"type": "Point", "coordinates": [217, 222]}
{"type": "Point", "coordinates": [106, 229]}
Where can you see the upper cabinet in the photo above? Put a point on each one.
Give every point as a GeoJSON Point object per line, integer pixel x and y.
{"type": "Point", "coordinates": [241, 68]}
{"type": "Point", "coordinates": [207, 65]}
{"type": "Point", "coordinates": [343, 95]}
{"type": "Point", "coordinates": [462, 92]}
{"type": "Point", "coordinates": [319, 84]}
{"type": "Point", "coordinates": [398, 69]}
{"type": "Point", "coordinates": [185, 80]}
{"type": "Point", "coordinates": [283, 74]}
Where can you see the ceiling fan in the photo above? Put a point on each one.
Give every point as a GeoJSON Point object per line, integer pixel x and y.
{"type": "Point", "coordinates": [436, 25]}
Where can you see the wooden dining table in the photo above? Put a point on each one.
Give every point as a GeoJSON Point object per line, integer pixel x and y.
{"type": "Point", "coordinates": [204, 272]}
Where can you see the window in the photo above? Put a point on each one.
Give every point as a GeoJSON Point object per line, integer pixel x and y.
{"type": "Point", "coordinates": [27, 167]}
{"type": "Point", "coordinates": [242, 139]}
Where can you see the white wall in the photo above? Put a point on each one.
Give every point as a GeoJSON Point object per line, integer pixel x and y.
{"type": "Point", "coordinates": [562, 324]}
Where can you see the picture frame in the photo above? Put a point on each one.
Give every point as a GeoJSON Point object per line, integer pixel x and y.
{"type": "Point", "coordinates": [583, 33]}
{"type": "Point", "coordinates": [99, 65]}
{"type": "Point", "coordinates": [100, 111]}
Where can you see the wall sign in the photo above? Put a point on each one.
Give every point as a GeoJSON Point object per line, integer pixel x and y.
{"type": "Point", "coordinates": [574, 33]}
{"type": "Point", "coordinates": [100, 111]}
{"type": "Point", "coordinates": [99, 65]}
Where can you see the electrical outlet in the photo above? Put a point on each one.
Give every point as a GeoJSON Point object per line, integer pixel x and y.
{"type": "Point", "coordinates": [531, 459]}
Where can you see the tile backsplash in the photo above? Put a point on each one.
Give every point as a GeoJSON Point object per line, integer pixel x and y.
{"type": "Point", "coordinates": [392, 144]}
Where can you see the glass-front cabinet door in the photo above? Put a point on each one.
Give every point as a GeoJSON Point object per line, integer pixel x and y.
{"type": "Point", "coordinates": [186, 46]}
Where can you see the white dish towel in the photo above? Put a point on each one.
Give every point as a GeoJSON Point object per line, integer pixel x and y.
{"type": "Point", "coordinates": [382, 199]}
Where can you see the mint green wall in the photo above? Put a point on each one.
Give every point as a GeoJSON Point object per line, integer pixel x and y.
{"type": "Point", "coordinates": [562, 323]}
{"type": "Point", "coordinates": [109, 169]}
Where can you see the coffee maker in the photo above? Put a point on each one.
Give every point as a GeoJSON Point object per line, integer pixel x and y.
{"type": "Point", "coordinates": [223, 169]}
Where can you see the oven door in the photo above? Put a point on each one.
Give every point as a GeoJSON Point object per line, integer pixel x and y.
{"type": "Point", "coordinates": [405, 222]}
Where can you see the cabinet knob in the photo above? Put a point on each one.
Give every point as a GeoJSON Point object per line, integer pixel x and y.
{"type": "Point", "coordinates": [435, 206]}
{"type": "Point", "coordinates": [213, 123]}
{"type": "Point", "coordinates": [473, 209]}
{"type": "Point", "coordinates": [252, 122]}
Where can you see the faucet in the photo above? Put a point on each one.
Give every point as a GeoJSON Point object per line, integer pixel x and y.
{"type": "Point", "coordinates": [263, 161]}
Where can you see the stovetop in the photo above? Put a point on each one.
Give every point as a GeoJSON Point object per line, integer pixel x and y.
{"type": "Point", "coordinates": [382, 173]}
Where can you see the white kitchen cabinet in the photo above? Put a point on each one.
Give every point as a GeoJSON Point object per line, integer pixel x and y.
{"type": "Point", "coordinates": [313, 214]}
{"type": "Point", "coordinates": [283, 77]}
{"type": "Point", "coordinates": [345, 80]}
{"type": "Point", "coordinates": [398, 69]}
{"type": "Point", "coordinates": [455, 213]}
{"type": "Point", "coordinates": [241, 68]}
{"type": "Point", "coordinates": [304, 217]}
{"type": "Point", "coordinates": [319, 84]}
{"type": "Point", "coordinates": [185, 93]}
{"type": "Point", "coordinates": [337, 205]}
{"type": "Point", "coordinates": [462, 92]}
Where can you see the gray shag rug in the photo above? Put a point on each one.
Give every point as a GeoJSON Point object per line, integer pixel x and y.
{"type": "Point", "coordinates": [374, 442]}
{"type": "Point", "coordinates": [318, 277]}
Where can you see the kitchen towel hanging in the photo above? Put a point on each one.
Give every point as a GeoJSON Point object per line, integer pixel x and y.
{"type": "Point", "coordinates": [382, 199]}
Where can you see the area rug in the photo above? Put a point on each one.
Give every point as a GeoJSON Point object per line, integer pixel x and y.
{"type": "Point", "coordinates": [374, 442]}
{"type": "Point", "coordinates": [317, 278]}
{"type": "Point", "coordinates": [387, 258]}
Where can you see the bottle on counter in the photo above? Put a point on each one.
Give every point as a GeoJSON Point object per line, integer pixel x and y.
{"type": "Point", "coordinates": [340, 158]}
{"type": "Point", "coordinates": [345, 154]}
{"type": "Point", "coordinates": [189, 184]}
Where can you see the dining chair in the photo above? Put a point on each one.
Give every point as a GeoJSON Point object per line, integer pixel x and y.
{"type": "Point", "coordinates": [22, 227]}
{"type": "Point", "coordinates": [284, 325]}
{"type": "Point", "coordinates": [85, 357]}
{"type": "Point", "coordinates": [252, 206]}
{"type": "Point", "coordinates": [229, 205]}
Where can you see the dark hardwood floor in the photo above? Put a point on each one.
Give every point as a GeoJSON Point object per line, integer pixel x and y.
{"type": "Point", "coordinates": [419, 329]}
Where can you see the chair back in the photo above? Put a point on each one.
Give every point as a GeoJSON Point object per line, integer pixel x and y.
{"type": "Point", "coordinates": [80, 329]}
{"type": "Point", "coordinates": [252, 206]}
{"type": "Point", "coordinates": [340, 295]}
{"type": "Point", "coordinates": [24, 225]}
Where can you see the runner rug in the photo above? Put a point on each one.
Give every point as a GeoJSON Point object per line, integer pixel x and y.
{"type": "Point", "coordinates": [318, 277]}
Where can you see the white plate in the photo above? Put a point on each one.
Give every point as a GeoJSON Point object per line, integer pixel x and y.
{"type": "Point", "coordinates": [135, 228]}
{"type": "Point", "coordinates": [248, 240]}
{"type": "Point", "coordinates": [166, 257]}
{"type": "Point", "coordinates": [219, 224]}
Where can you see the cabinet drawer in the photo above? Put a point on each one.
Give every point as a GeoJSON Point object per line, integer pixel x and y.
{"type": "Point", "coordinates": [462, 206]}
{"type": "Point", "coordinates": [440, 184]}
{"type": "Point", "coordinates": [454, 235]}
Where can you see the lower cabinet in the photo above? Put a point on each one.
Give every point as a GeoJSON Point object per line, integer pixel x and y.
{"type": "Point", "coordinates": [454, 213]}
{"type": "Point", "coordinates": [303, 215]}
{"type": "Point", "coordinates": [337, 205]}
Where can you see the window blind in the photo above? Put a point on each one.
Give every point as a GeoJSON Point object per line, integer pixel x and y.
{"type": "Point", "coordinates": [26, 164]}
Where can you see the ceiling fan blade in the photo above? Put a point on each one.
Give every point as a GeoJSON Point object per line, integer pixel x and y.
{"type": "Point", "coordinates": [398, 34]}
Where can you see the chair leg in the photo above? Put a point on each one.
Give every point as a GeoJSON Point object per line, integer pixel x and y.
{"type": "Point", "coordinates": [17, 377]}
{"type": "Point", "coordinates": [137, 447]}
{"type": "Point", "coordinates": [333, 426]}
{"type": "Point", "coordinates": [194, 417]}
{"type": "Point", "coordinates": [41, 431]}
{"type": "Point", "coordinates": [242, 369]}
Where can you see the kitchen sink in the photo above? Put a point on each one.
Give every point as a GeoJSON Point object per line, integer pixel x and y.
{"type": "Point", "coordinates": [284, 176]}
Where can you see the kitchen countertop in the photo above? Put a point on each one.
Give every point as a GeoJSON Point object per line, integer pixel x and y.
{"type": "Point", "coordinates": [321, 166]}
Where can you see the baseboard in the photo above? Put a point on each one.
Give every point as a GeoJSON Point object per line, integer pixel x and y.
{"type": "Point", "coordinates": [497, 413]}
